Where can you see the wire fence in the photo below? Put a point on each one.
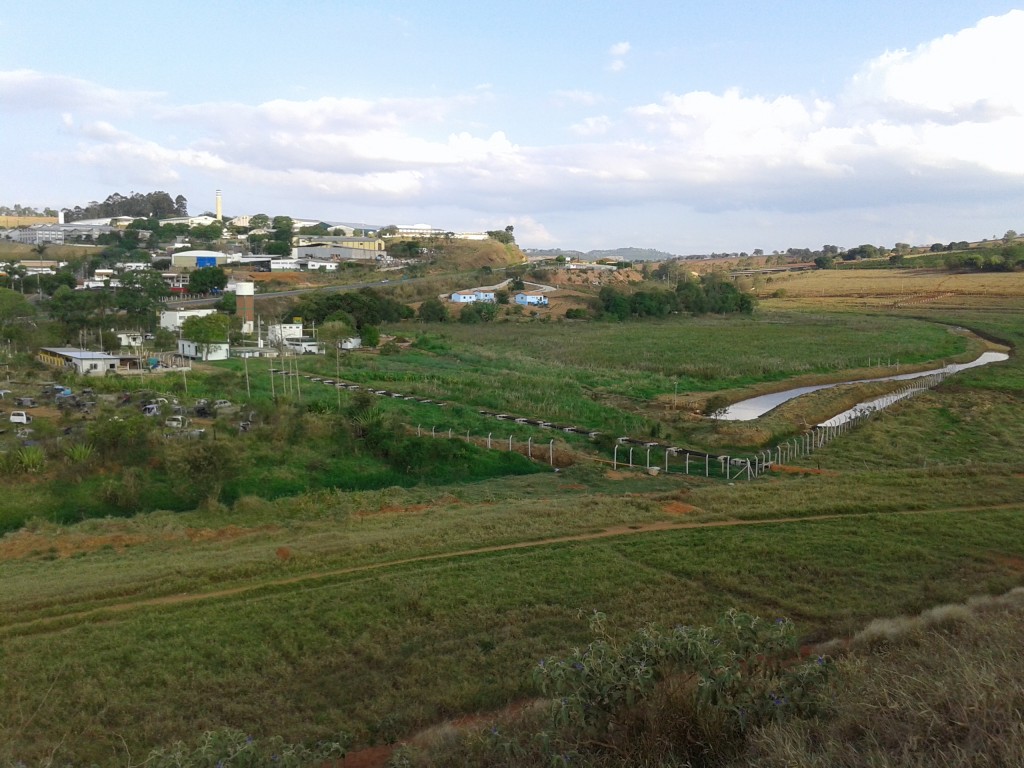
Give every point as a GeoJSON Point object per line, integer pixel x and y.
{"type": "Point", "coordinates": [656, 458]}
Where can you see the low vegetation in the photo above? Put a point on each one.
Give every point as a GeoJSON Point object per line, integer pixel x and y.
{"type": "Point", "coordinates": [325, 579]}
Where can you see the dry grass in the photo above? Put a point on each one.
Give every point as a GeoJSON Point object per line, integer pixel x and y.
{"type": "Point", "coordinates": [945, 688]}
{"type": "Point", "coordinates": [903, 289]}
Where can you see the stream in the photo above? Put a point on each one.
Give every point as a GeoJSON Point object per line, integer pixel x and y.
{"type": "Point", "coordinates": [754, 407]}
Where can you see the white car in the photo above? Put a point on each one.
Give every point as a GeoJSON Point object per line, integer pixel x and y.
{"type": "Point", "coordinates": [20, 417]}
{"type": "Point", "coordinates": [176, 422]}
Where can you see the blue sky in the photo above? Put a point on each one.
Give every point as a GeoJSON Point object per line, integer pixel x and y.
{"type": "Point", "coordinates": [688, 127]}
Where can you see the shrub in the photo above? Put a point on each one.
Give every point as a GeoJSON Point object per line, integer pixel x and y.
{"type": "Point", "coordinates": [31, 459]}
{"type": "Point", "coordinates": [226, 748]}
{"type": "Point", "coordinates": [743, 672]}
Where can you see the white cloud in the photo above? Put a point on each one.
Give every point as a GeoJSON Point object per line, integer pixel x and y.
{"type": "Point", "coordinates": [29, 90]}
{"type": "Point", "coordinates": [939, 123]}
{"type": "Point", "coordinates": [618, 53]}
{"type": "Point", "coordinates": [592, 126]}
{"type": "Point", "coordinates": [971, 75]}
{"type": "Point", "coordinates": [576, 97]}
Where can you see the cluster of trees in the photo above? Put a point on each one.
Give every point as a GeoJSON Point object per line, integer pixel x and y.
{"type": "Point", "coordinates": [278, 242]}
{"type": "Point", "coordinates": [709, 294]}
{"type": "Point", "coordinates": [504, 236]}
{"type": "Point", "coordinates": [20, 210]}
{"type": "Point", "coordinates": [199, 234]}
{"type": "Point", "coordinates": [1007, 259]}
{"type": "Point", "coordinates": [360, 309]}
{"type": "Point", "coordinates": [206, 279]}
{"type": "Point", "coordinates": [16, 278]}
{"type": "Point", "coordinates": [152, 205]}
{"type": "Point", "coordinates": [138, 298]}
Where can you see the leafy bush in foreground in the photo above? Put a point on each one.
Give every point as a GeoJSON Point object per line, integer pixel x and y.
{"type": "Point", "coordinates": [689, 695]}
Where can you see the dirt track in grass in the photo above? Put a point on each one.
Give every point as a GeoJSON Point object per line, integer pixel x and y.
{"type": "Point", "coordinates": [61, 621]}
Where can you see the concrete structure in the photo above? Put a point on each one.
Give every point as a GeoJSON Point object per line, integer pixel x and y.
{"type": "Point", "coordinates": [82, 361]}
{"type": "Point", "coordinates": [130, 339]}
{"type": "Point", "coordinates": [372, 244]}
{"type": "Point", "coordinates": [304, 345]}
{"type": "Point", "coordinates": [192, 221]}
{"type": "Point", "coordinates": [220, 350]}
{"type": "Point", "coordinates": [468, 297]}
{"type": "Point", "coordinates": [279, 332]}
{"type": "Point", "coordinates": [352, 342]}
{"type": "Point", "coordinates": [176, 281]}
{"type": "Point", "coordinates": [218, 209]}
{"type": "Point", "coordinates": [172, 319]}
{"type": "Point", "coordinates": [317, 265]}
{"type": "Point", "coordinates": [198, 259]}
{"type": "Point", "coordinates": [531, 298]}
{"type": "Point", "coordinates": [245, 304]}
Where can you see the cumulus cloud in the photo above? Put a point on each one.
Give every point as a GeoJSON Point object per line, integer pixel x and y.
{"type": "Point", "coordinates": [29, 90]}
{"type": "Point", "coordinates": [592, 126]}
{"type": "Point", "coordinates": [618, 57]}
{"type": "Point", "coordinates": [581, 98]}
{"type": "Point", "coordinates": [939, 122]}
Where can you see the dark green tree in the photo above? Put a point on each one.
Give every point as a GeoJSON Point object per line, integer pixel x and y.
{"type": "Point", "coordinates": [433, 310]}
{"type": "Point", "coordinates": [206, 279]}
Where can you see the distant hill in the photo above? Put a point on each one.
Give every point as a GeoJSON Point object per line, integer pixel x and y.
{"type": "Point", "coordinates": [473, 254]}
{"type": "Point", "coordinates": [617, 254]}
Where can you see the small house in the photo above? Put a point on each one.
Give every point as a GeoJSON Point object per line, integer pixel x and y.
{"type": "Point", "coordinates": [130, 339]}
{"type": "Point", "coordinates": [463, 297]}
{"type": "Point", "coordinates": [82, 361]}
{"type": "Point", "coordinates": [531, 298]}
{"type": "Point", "coordinates": [193, 350]}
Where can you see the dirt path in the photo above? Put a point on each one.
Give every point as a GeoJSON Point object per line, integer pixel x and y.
{"type": "Point", "coordinates": [43, 625]}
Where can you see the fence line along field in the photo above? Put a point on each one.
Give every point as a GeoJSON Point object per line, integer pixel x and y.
{"type": "Point", "coordinates": [286, 597]}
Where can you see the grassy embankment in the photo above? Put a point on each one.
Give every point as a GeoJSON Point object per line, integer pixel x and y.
{"type": "Point", "coordinates": [401, 644]}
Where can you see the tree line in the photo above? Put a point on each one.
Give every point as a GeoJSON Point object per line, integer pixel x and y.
{"type": "Point", "coordinates": [151, 205]}
{"type": "Point", "coordinates": [710, 294]}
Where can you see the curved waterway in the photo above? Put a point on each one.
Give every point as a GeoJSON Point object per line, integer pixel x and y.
{"type": "Point", "coordinates": [745, 410]}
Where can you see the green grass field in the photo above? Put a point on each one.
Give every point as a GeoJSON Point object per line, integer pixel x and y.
{"type": "Point", "coordinates": [382, 611]}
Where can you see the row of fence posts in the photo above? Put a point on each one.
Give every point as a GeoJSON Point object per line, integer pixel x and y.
{"type": "Point", "coordinates": [450, 433]}
{"type": "Point", "coordinates": [729, 467]}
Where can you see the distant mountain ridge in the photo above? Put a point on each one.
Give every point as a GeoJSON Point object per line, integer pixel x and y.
{"type": "Point", "coordinates": [618, 254]}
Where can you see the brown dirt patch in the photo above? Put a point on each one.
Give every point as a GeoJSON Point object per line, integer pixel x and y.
{"type": "Point", "coordinates": [23, 544]}
{"type": "Point", "coordinates": [791, 470]}
{"type": "Point", "coordinates": [614, 474]}
{"type": "Point", "coordinates": [216, 534]}
{"type": "Point", "coordinates": [679, 508]}
{"type": "Point", "coordinates": [371, 757]}
{"type": "Point", "coordinates": [410, 509]}
{"type": "Point", "coordinates": [1011, 562]}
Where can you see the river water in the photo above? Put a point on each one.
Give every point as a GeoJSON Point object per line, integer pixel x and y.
{"type": "Point", "coordinates": [746, 410]}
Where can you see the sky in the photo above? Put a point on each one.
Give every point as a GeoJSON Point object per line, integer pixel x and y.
{"type": "Point", "coordinates": [689, 127]}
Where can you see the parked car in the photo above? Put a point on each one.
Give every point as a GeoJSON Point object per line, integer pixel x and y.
{"type": "Point", "coordinates": [25, 402]}
{"type": "Point", "coordinates": [20, 417]}
{"type": "Point", "coordinates": [218, 404]}
{"type": "Point", "coordinates": [176, 422]}
{"type": "Point", "coordinates": [151, 410]}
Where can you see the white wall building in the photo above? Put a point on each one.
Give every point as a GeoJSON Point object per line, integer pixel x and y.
{"type": "Point", "coordinates": [279, 332]}
{"type": "Point", "coordinates": [172, 319]}
{"type": "Point", "coordinates": [196, 351]}
{"type": "Point", "coordinates": [531, 298]}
